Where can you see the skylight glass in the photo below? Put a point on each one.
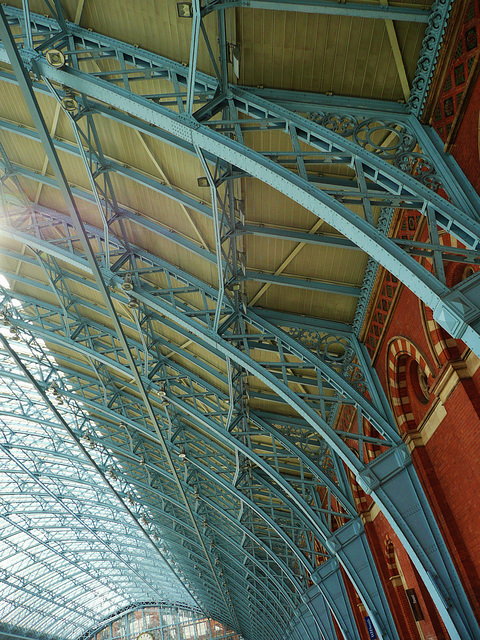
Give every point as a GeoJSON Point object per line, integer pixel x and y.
{"type": "Point", "coordinates": [70, 552]}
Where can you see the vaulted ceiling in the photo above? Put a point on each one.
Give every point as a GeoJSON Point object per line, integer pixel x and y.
{"type": "Point", "coordinates": [182, 323]}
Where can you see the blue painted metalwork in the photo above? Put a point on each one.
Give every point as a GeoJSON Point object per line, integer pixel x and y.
{"type": "Point", "coordinates": [26, 86]}
{"type": "Point", "coordinates": [169, 234]}
{"type": "Point", "coordinates": [231, 331]}
{"type": "Point", "coordinates": [351, 9]}
{"type": "Point", "coordinates": [437, 23]}
{"type": "Point", "coordinates": [176, 402]}
{"type": "Point", "coordinates": [459, 220]}
{"type": "Point", "coordinates": [67, 397]}
{"type": "Point", "coordinates": [49, 537]}
{"type": "Point", "coordinates": [34, 242]}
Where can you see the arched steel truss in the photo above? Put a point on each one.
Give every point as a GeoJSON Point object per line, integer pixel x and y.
{"type": "Point", "coordinates": [268, 528]}
{"type": "Point", "coordinates": [68, 551]}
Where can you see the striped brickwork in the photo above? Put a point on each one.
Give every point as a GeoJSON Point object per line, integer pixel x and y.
{"type": "Point", "coordinates": [400, 352]}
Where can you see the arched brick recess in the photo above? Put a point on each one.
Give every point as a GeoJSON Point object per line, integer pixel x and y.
{"type": "Point", "coordinates": [401, 356]}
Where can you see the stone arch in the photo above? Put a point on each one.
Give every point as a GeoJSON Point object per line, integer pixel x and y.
{"type": "Point", "coordinates": [408, 372]}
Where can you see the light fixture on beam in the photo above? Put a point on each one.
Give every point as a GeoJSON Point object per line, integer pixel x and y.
{"type": "Point", "coordinates": [234, 50]}
{"type": "Point", "coordinates": [184, 9]}
{"type": "Point", "coordinates": [14, 333]}
{"type": "Point", "coordinates": [127, 284]}
{"type": "Point", "coordinates": [133, 303]}
{"type": "Point", "coordinates": [162, 395]}
{"type": "Point", "coordinates": [69, 104]}
{"type": "Point", "coordinates": [55, 58]}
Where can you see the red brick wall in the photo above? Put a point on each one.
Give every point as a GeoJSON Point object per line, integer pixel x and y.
{"type": "Point", "coordinates": [377, 532]}
{"type": "Point", "coordinates": [449, 464]}
{"type": "Point", "coordinates": [465, 147]}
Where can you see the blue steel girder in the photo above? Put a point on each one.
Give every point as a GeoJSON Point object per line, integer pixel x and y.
{"type": "Point", "coordinates": [201, 335]}
{"type": "Point", "coordinates": [332, 603]}
{"type": "Point", "coordinates": [94, 407]}
{"type": "Point", "coordinates": [11, 46]}
{"type": "Point", "coordinates": [56, 566]}
{"type": "Point", "coordinates": [116, 452]}
{"type": "Point", "coordinates": [182, 392]}
{"type": "Point", "coordinates": [345, 193]}
{"type": "Point", "coordinates": [361, 231]}
{"type": "Point", "coordinates": [296, 100]}
{"type": "Point", "coordinates": [28, 410]}
{"type": "Point", "coordinates": [138, 570]}
{"type": "Point", "coordinates": [179, 390]}
{"type": "Point", "coordinates": [352, 9]}
{"type": "Point", "coordinates": [30, 416]}
{"type": "Point", "coordinates": [414, 248]}
{"type": "Point", "coordinates": [98, 47]}
{"type": "Point", "coordinates": [257, 500]}
{"type": "Point", "coordinates": [453, 309]}
{"type": "Point", "coordinates": [250, 274]}
{"type": "Point", "coordinates": [343, 372]}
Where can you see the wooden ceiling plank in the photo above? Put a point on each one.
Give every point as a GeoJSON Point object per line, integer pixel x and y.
{"type": "Point", "coordinates": [53, 131]}
{"type": "Point", "coordinates": [79, 11]}
{"type": "Point", "coordinates": [140, 136]}
{"type": "Point", "coordinates": [397, 55]}
{"type": "Point", "coordinates": [285, 263]}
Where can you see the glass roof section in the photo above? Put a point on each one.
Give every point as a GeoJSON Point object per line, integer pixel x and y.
{"type": "Point", "coordinates": [70, 552]}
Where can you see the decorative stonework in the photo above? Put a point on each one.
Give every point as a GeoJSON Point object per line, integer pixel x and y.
{"type": "Point", "coordinates": [401, 352]}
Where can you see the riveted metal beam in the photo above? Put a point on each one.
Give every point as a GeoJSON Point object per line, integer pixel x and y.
{"type": "Point", "coordinates": [347, 9]}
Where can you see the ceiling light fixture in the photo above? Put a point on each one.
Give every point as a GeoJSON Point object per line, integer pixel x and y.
{"type": "Point", "coordinates": [55, 58]}
{"type": "Point", "coordinates": [184, 9]}
{"type": "Point", "coordinates": [69, 104]}
{"type": "Point", "coordinates": [127, 284]}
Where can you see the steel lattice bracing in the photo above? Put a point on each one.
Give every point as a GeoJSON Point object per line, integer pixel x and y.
{"type": "Point", "coordinates": [251, 503]}
{"type": "Point", "coordinates": [67, 539]}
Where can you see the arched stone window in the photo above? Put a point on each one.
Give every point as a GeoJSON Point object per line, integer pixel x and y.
{"type": "Point", "coordinates": [410, 377]}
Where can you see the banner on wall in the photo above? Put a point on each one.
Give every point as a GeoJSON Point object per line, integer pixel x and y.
{"type": "Point", "coordinates": [370, 628]}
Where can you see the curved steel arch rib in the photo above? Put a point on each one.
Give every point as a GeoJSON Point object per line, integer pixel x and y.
{"type": "Point", "coordinates": [363, 580]}
{"type": "Point", "coordinates": [68, 395]}
{"type": "Point", "coordinates": [272, 634]}
{"type": "Point", "coordinates": [73, 566]}
{"type": "Point", "coordinates": [455, 309]}
{"type": "Point", "coordinates": [459, 219]}
{"type": "Point", "coordinates": [202, 335]}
